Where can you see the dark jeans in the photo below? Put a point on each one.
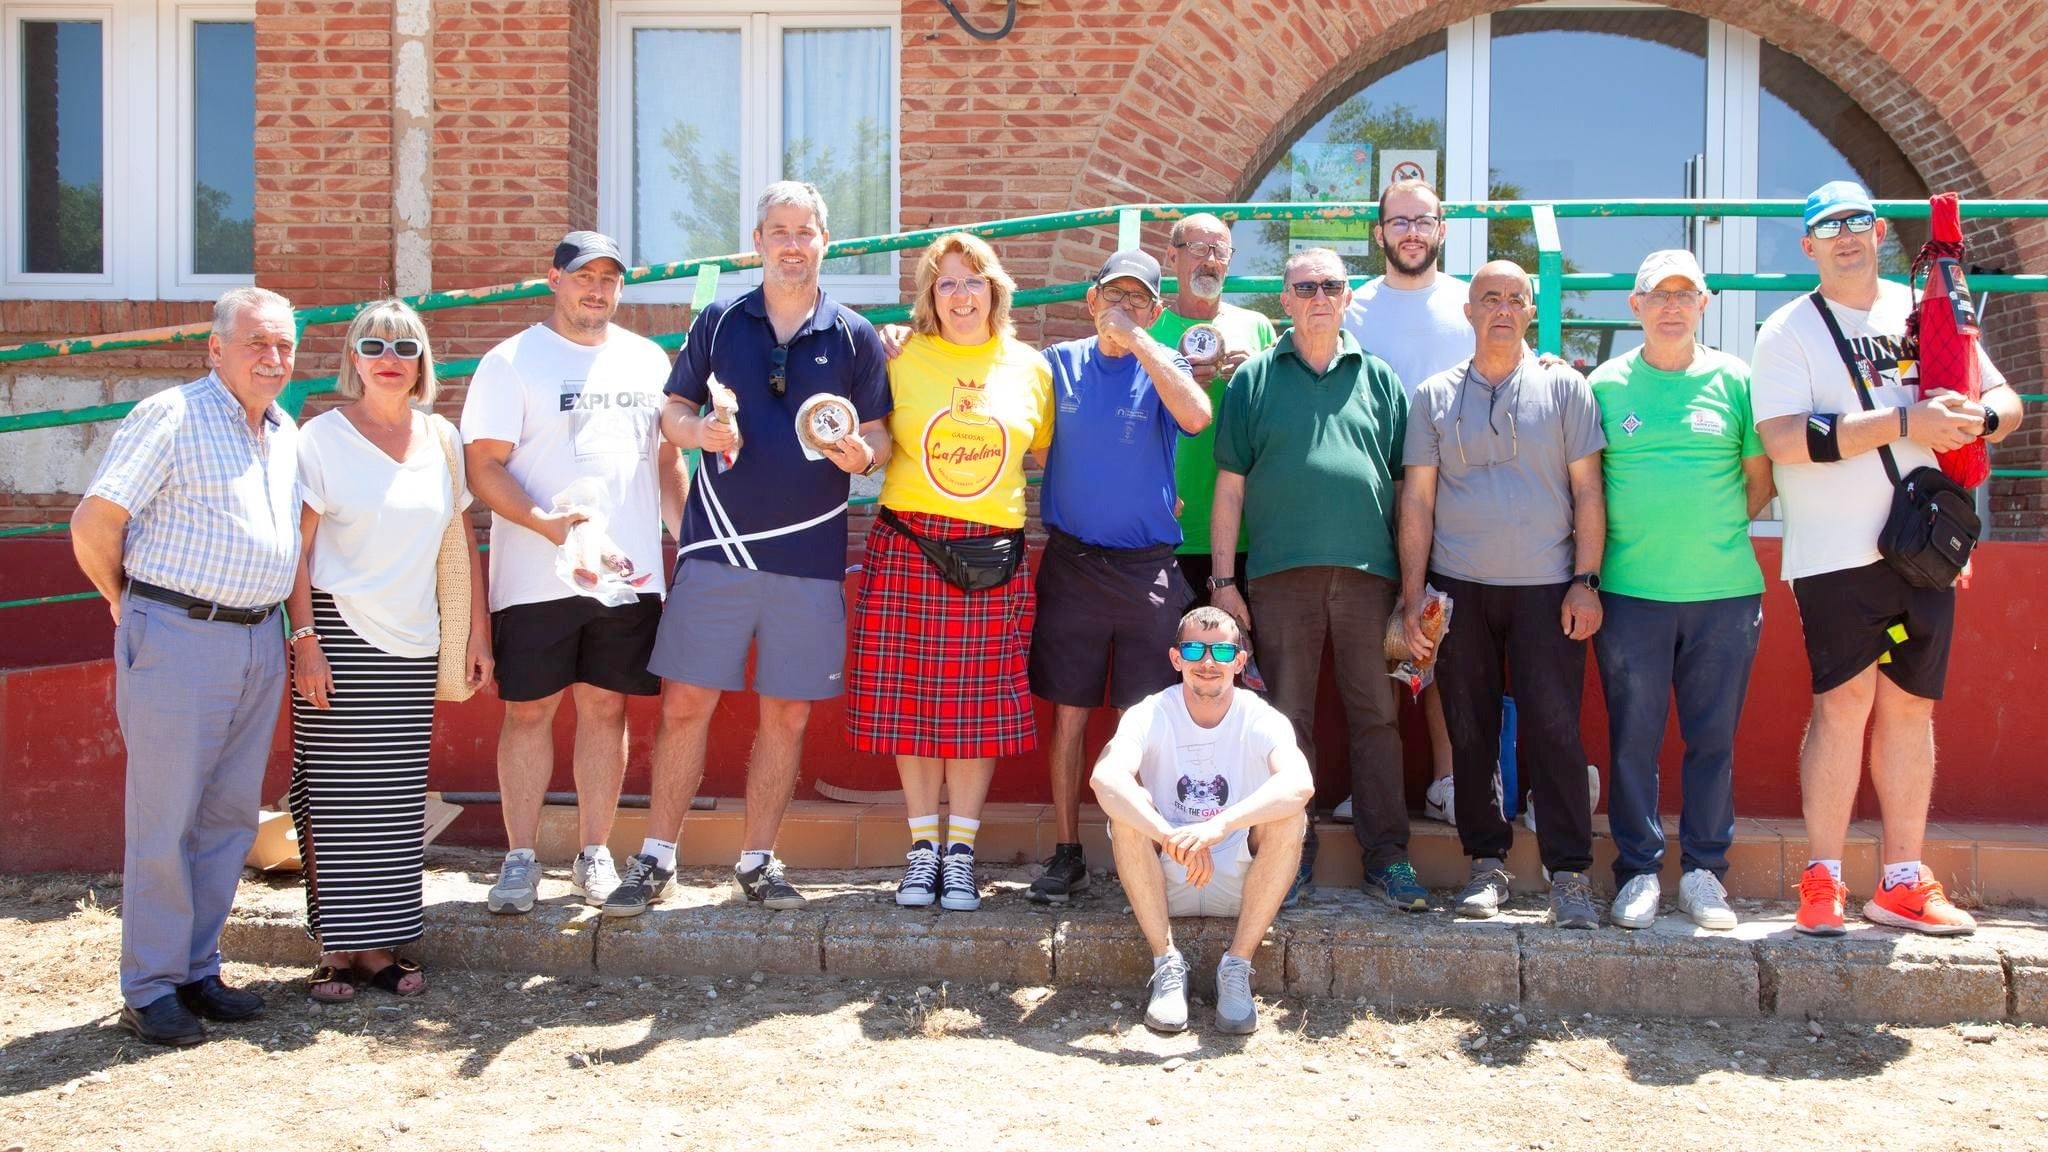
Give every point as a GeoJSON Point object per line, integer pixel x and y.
{"type": "Point", "coordinates": [1703, 650]}
{"type": "Point", "coordinates": [1295, 610]}
{"type": "Point", "coordinates": [1495, 628]}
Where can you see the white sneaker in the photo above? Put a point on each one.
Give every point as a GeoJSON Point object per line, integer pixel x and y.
{"type": "Point", "coordinates": [1635, 906]}
{"type": "Point", "coordinates": [1592, 791]}
{"type": "Point", "coordinates": [1168, 1009]}
{"type": "Point", "coordinates": [594, 878]}
{"type": "Point", "coordinates": [1236, 1012]}
{"type": "Point", "coordinates": [1440, 802]}
{"type": "Point", "coordinates": [518, 881]}
{"type": "Point", "coordinates": [1342, 812]}
{"type": "Point", "coordinates": [1701, 897]}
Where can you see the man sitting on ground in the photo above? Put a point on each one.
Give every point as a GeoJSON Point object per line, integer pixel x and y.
{"type": "Point", "coordinates": [1207, 796]}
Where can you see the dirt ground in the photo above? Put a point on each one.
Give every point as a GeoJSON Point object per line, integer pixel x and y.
{"type": "Point", "coordinates": [490, 1062]}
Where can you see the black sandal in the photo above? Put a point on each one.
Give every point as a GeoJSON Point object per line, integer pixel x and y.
{"type": "Point", "coordinates": [389, 976]}
{"type": "Point", "coordinates": [329, 974]}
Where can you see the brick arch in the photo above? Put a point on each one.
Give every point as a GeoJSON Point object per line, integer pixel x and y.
{"type": "Point", "coordinates": [1957, 87]}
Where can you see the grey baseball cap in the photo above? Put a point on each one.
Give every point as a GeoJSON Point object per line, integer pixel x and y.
{"type": "Point", "coordinates": [1134, 264]}
{"type": "Point", "coordinates": [580, 248]}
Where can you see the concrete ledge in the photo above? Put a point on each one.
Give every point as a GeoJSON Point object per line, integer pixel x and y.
{"type": "Point", "coordinates": [1108, 951]}
{"type": "Point", "coordinates": [1669, 969]}
{"type": "Point", "coordinates": [712, 941]}
{"type": "Point", "coordinates": [1876, 975]}
{"type": "Point", "coordinates": [1403, 959]}
{"type": "Point", "coordinates": [926, 944]}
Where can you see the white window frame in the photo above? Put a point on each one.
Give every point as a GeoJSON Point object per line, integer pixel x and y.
{"type": "Point", "coordinates": [176, 167]}
{"type": "Point", "coordinates": [146, 133]}
{"type": "Point", "coordinates": [761, 24]}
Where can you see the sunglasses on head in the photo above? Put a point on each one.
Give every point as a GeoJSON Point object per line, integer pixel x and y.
{"type": "Point", "coordinates": [1829, 229]}
{"type": "Point", "coordinates": [1224, 650]}
{"type": "Point", "coordinates": [778, 370]}
{"type": "Point", "coordinates": [1307, 289]}
{"type": "Point", "coordinates": [405, 347]}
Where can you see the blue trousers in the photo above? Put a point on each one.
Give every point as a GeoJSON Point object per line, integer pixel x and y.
{"type": "Point", "coordinates": [1702, 651]}
{"type": "Point", "coordinates": [198, 703]}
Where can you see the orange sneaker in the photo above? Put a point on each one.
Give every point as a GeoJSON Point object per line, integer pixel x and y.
{"type": "Point", "coordinates": [1920, 906]}
{"type": "Point", "coordinates": [1821, 898]}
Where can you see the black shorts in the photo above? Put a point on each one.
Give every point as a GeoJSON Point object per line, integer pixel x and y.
{"type": "Point", "coordinates": [1106, 617]}
{"type": "Point", "coordinates": [543, 648]}
{"type": "Point", "coordinates": [1859, 616]}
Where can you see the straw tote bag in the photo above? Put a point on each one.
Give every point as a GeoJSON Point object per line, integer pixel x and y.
{"type": "Point", "coordinates": [451, 582]}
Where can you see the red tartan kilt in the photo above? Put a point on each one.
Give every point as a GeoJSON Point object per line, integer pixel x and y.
{"type": "Point", "coordinates": [935, 671]}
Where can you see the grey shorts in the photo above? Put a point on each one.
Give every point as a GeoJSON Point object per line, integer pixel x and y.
{"type": "Point", "coordinates": [715, 612]}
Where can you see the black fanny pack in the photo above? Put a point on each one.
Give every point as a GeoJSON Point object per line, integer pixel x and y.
{"type": "Point", "coordinates": [969, 563]}
{"type": "Point", "coordinates": [1933, 525]}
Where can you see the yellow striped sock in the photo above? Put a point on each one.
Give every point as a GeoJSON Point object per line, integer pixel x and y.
{"type": "Point", "coordinates": [925, 828]}
{"type": "Point", "coordinates": [961, 830]}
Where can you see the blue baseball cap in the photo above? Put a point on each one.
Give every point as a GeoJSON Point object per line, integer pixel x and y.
{"type": "Point", "coordinates": [1835, 197]}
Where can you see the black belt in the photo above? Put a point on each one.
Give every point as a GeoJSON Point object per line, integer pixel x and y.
{"type": "Point", "coordinates": [1072, 543]}
{"type": "Point", "coordinates": [199, 609]}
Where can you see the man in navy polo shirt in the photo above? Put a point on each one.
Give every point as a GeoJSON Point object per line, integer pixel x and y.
{"type": "Point", "coordinates": [762, 560]}
{"type": "Point", "coordinates": [1110, 595]}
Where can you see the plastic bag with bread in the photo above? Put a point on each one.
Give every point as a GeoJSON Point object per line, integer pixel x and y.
{"type": "Point", "coordinates": [1436, 624]}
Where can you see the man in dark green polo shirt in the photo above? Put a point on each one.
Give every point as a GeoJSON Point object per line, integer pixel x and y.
{"type": "Point", "coordinates": [1308, 454]}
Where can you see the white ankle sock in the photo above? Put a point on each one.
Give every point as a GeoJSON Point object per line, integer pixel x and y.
{"type": "Point", "coordinates": [1834, 868]}
{"type": "Point", "coordinates": [1903, 872]}
{"type": "Point", "coordinates": [750, 859]}
{"type": "Point", "coordinates": [663, 851]}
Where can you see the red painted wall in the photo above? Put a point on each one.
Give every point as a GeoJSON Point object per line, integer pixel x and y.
{"type": "Point", "coordinates": [62, 759]}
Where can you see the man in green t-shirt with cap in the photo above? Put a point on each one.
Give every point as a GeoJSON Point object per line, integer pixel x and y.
{"type": "Point", "coordinates": [1680, 588]}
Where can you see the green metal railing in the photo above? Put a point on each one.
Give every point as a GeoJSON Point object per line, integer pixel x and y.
{"type": "Point", "coordinates": [1551, 283]}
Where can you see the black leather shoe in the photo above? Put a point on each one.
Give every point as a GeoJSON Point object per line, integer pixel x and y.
{"type": "Point", "coordinates": [164, 1020]}
{"type": "Point", "coordinates": [216, 1001]}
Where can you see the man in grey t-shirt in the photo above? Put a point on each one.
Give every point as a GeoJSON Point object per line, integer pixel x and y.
{"type": "Point", "coordinates": [1502, 507]}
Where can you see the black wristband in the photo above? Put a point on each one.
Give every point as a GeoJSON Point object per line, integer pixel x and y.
{"type": "Point", "coordinates": [1904, 431]}
{"type": "Point", "coordinates": [1822, 446]}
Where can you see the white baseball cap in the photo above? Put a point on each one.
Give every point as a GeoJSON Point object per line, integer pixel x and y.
{"type": "Point", "coordinates": [1665, 263]}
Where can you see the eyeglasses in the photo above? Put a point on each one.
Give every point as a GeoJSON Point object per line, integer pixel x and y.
{"type": "Point", "coordinates": [405, 347]}
{"type": "Point", "coordinates": [1118, 297]}
{"type": "Point", "coordinates": [1206, 251]}
{"type": "Point", "coordinates": [1458, 430]}
{"type": "Point", "coordinates": [1307, 289]}
{"type": "Point", "coordinates": [1494, 302]}
{"type": "Point", "coordinates": [1224, 651]}
{"type": "Point", "coordinates": [1685, 298]}
{"type": "Point", "coordinates": [1400, 224]}
{"type": "Point", "coordinates": [1829, 229]}
{"type": "Point", "coordinates": [960, 286]}
{"type": "Point", "coordinates": [778, 370]}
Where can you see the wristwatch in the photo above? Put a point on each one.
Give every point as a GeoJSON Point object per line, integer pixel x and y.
{"type": "Point", "coordinates": [1590, 579]}
{"type": "Point", "coordinates": [1990, 423]}
{"type": "Point", "coordinates": [1216, 582]}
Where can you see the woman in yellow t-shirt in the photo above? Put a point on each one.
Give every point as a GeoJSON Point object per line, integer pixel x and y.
{"type": "Point", "coordinates": [937, 677]}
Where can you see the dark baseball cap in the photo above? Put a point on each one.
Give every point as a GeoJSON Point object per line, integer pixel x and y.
{"type": "Point", "coordinates": [1134, 264]}
{"type": "Point", "coordinates": [580, 248]}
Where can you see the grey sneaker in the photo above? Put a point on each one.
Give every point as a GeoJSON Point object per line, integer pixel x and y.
{"type": "Point", "coordinates": [1571, 901]}
{"type": "Point", "coordinates": [1236, 1013]}
{"type": "Point", "coordinates": [594, 877]}
{"type": "Point", "coordinates": [766, 886]}
{"type": "Point", "coordinates": [518, 881]}
{"type": "Point", "coordinates": [644, 885]}
{"type": "Point", "coordinates": [1168, 1009]}
{"type": "Point", "coordinates": [1701, 897]}
{"type": "Point", "coordinates": [1635, 906]}
{"type": "Point", "coordinates": [1486, 891]}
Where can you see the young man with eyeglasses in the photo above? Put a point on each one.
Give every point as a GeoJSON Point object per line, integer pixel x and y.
{"type": "Point", "coordinates": [1503, 509]}
{"type": "Point", "coordinates": [1680, 589]}
{"type": "Point", "coordinates": [575, 400]}
{"type": "Point", "coordinates": [1308, 457]}
{"type": "Point", "coordinates": [1198, 255]}
{"type": "Point", "coordinates": [761, 561]}
{"type": "Point", "coordinates": [1878, 646]}
{"type": "Point", "coordinates": [1413, 317]}
{"type": "Point", "coordinates": [1109, 592]}
{"type": "Point", "coordinates": [1206, 794]}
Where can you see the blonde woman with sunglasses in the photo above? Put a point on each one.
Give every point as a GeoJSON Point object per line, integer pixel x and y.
{"type": "Point", "coordinates": [374, 476]}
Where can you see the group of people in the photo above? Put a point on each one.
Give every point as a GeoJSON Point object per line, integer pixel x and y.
{"type": "Point", "coordinates": [1207, 482]}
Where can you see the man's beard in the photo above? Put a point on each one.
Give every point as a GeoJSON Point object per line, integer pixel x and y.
{"type": "Point", "coordinates": [1392, 252]}
{"type": "Point", "coordinates": [1209, 689]}
{"type": "Point", "coordinates": [1206, 285]}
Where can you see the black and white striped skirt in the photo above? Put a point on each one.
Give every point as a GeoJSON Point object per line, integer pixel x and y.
{"type": "Point", "coordinates": [359, 790]}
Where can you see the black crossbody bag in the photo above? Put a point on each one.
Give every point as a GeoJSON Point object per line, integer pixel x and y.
{"type": "Point", "coordinates": [1933, 525]}
{"type": "Point", "coordinates": [969, 563]}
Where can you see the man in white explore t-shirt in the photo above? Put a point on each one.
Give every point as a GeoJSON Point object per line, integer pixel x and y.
{"type": "Point", "coordinates": [573, 402]}
{"type": "Point", "coordinates": [1207, 796]}
{"type": "Point", "coordinates": [1860, 617]}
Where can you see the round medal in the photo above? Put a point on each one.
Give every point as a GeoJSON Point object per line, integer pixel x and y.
{"type": "Point", "coordinates": [1202, 342]}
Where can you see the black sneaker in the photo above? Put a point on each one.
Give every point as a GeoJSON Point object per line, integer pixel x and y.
{"type": "Point", "coordinates": [920, 884]}
{"type": "Point", "coordinates": [765, 885]}
{"type": "Point", "coordinates": [643, 885]}
{"type": "Point", "coordinates": [1065, 874]}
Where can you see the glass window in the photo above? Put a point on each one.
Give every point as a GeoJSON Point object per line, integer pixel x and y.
{"type": "Point", "coordinates": [223, 164]}
{"type": "Point", "coordinates": [1807, 132]}
{"type": "Point", "coordinates": [836, 111]}
{"type": "Point", "coordinates": [1606, 104]}
{"type": "Point", "coordinates": [63, 147]}
{"type": "Point", "coordinates": [686, 143]}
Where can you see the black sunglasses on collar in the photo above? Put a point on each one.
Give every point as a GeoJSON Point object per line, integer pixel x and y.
{"type": "Point", "coordinates": [778, 371]}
